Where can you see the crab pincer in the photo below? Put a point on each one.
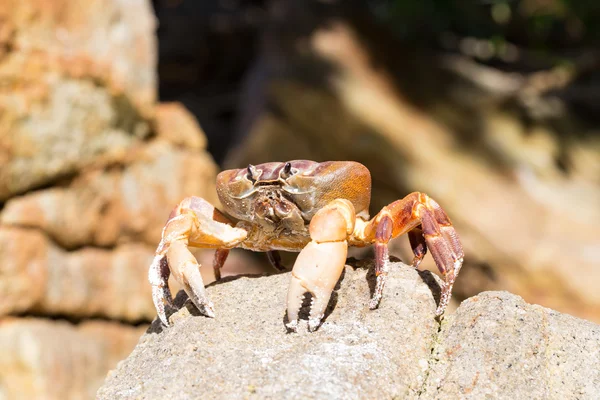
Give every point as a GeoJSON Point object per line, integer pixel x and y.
{"type": "Point", "coordinates": [320, 264]}
{"type": "Point", "coordinates": [194, 222]}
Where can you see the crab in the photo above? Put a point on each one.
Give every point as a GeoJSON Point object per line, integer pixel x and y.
{"type": "Point", "coordinates": [317, 209]}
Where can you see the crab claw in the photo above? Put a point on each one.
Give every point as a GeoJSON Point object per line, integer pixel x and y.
{"type": "Point", "coordinates": [158, 275]}
{"type": "Point", "coordinates": [320, 264]}
{"type": "Point", "coordinates": [187, 272]}
{"type": "Point", "coordinates": [196, 223]}
{"type": "Point", "coordinates": [317, 270]}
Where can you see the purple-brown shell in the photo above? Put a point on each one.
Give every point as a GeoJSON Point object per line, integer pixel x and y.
{"type": "Point", "coordinates": [308, 184]}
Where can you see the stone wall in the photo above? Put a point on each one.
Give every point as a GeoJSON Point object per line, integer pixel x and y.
{"type": "Point", "coordinates": [90, 167]}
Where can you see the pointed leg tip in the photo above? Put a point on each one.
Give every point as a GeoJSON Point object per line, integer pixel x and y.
{"type": "Point", "coordinates": [314, 323]}
{"type": "Point", "coordinates": [292, 326]}
{"type": "Point", "coordinates": [208, 309]}
{"type": "Point", "coordinates": [163, 319]}
{"type": "Point", "coordinates": [374, 303]}
{"type": "Point", "coordinates": [439, 312]}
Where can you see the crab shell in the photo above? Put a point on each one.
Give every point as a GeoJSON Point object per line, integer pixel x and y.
{"type": "Point", "coordinates": [308, 184]}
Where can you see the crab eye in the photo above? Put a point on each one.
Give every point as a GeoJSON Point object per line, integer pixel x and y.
{"type": "Point", "coordinates": [249, 174]}
{"type": "Point", "coordinates": [287, 171]}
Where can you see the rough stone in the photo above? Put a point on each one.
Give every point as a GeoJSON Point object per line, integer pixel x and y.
{"type": "Point", "coordinates": [72, 88]}
{"type": "Point", "coordinates": [494, 346]}
{"type": "Point", "coordinates": [42, 278]}
{"type": "Point", "coordinates": [42, 359]}
{"type": "Point", "coordinates": [245, 351]}
{"type": "Point", "coordinates": [120, 203]}
{"type": "Point", "coordinates": [498, 346]}
{"type": "Point", "coordinates": [176, 124]}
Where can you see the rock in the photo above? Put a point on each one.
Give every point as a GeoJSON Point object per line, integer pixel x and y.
{"type": "Point", "coordinates": [116, 204]}
{"type": "Point", "coordinates": [42, 359]}
{"type": "Point", "coordinates": [245, 351]}
{"type": "Point", "coordinates": [495, 346]}
{"type": "Point", "coordinates": [73, 91]}
{"type": "Point", "coordinates": [40, 277]}
{"type": "Point", "coordinates": [498, 346]}
{"type": "Point", "coordinates": [175, 123]}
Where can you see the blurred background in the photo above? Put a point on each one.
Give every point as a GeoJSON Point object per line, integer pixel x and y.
{"type": "Point", "coordinates": [112, 111]}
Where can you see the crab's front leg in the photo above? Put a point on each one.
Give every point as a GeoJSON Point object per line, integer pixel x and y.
{"type": "Point", "coordinates": [427, 226]}
{"type": "Point", "coordinates": [320, 264]}
{"type": "Point", "coordinates": [194, 222]}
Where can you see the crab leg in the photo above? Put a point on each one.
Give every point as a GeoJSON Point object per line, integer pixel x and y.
{"type": "Point", "coordinates": [194, 222]}
{"type": "Point", "coordinates": [320, 264]}
{"type": "Point", "coordinates": [427, 226]}
{"type": "Point", "coordinates": [275, 260]}
{"type": "Point", "coordinates": [418, 245]}
{"type": "Point", "coordinates": [218, 262]}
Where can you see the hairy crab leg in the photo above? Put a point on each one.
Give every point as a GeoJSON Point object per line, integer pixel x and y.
{"type": "Point", "coordinates": [428, 226]}
{"type": "Point", "coordinates": [194, 222]}
{"type": "Point", "coordinates": [320, 264]}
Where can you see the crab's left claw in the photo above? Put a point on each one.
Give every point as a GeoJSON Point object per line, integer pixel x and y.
{"type": "Point", "coordinates": [320, 264]}
{"type": "Point", "coordinates": [194, 222]}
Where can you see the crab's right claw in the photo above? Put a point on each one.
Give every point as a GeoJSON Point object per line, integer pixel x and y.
{"type": "Point", "coordinates": [317, 270]}
{"type": "Point", "coordinates": [320, 264]}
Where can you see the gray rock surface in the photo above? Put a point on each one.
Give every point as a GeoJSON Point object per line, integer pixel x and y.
{"type": "Point", "coordinates": [246, 352]}
{"type": "Point", "coordinates": [494, 346]}
{"type": "Point", "coordinates": [498, 346]}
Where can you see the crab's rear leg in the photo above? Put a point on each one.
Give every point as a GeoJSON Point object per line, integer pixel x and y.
{"type": "Point", "coordinates": [194, 222]}
{"type": "Point", "coordinates": [427, 226]}
{"type": "Point", "coordinates": [275, 260]}
{"type": "Point", "coordinates": [320, 264]}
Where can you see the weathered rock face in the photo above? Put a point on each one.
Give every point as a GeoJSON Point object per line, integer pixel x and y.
{"type": "Point", "coordinates": [119, 203]}
{"type": "Point", "coordinates": [246, 352]}
{"type": "Point", "coordinates": [495, 345]}
{"type": "Point", "coordinates": [522, 191]}
{"type": "Point", "coordinates": [42, 359]}
{"type": "Point", "coordinates": [42, 278]}
{"type": "Point", "coordinates": [72, 89]}
{"type": "Point", "coordinates": [83, 249]}
{"type": "Point", "coordinates": [498, 346]}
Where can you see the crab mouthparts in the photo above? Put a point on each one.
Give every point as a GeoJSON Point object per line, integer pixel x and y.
{"type": "Point", "coordinates": [274, 208]}
{"type": "Point", "coordinates": [267, 183]}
